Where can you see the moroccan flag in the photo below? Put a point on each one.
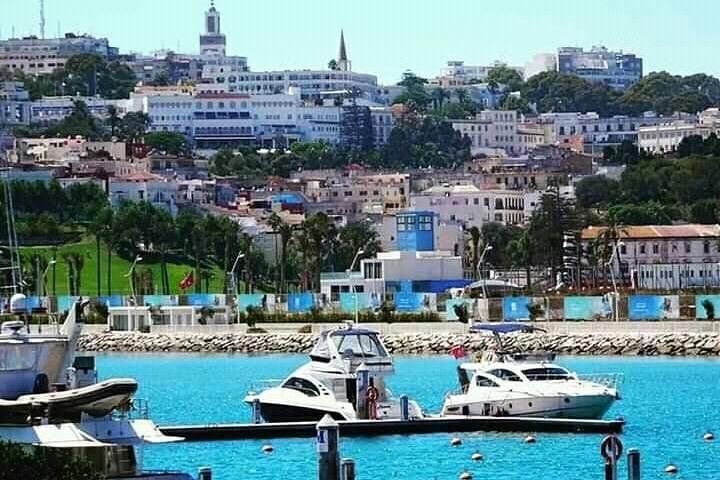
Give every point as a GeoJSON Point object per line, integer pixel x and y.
{"type": "Point", "coordinates": [458, 352]}
{"type": "Point", "coordinates": [188, 281]}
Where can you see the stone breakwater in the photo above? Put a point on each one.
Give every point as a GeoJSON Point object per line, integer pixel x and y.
{"type": "Point", "coordinates": [672, 344]}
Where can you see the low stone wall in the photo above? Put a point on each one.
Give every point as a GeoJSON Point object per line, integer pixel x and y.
{"type": "Point", "coordinates": [674, 344]}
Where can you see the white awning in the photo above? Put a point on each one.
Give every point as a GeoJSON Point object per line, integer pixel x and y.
{"type": "Point", "coordinates": [66, 435]}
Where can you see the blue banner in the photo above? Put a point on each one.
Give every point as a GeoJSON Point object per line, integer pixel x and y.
{"type": "Point", "coordinates": [246, 300]}
{"type": "Point", "coordinates": [111, 300]}
{"type": "Point", "coordinates": [516, 308]}
{"type": "Point", "coordinates": [300, 302]}
{"type": "Point", "coordinates": [653, 307]}
{"type": "Point", "coordinates": [65, 302]}
{"type": "Point", "coordinates": [408, 302]}
{"type": "Point", "coordinates": [587, 308]}
{"type": "Point", "coordinates": [159, 300]}
{"type": "Point", "coordinates": [351, 301]}
{"type": "Point", "coordinates": [204, 300]}
{"type": "Point", "coordinates": [707, 307]}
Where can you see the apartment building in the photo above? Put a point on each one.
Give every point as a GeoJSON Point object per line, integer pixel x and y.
{"type": "Point", "coordinates": [37, 56]}
{"type": "Point", "coordinates": [500, 129]}
{"type": "Point", "coordinates": [359, 193]}
{"type": "Point", "coordinates": [139, 187]}
{"type": "Point", "coordinates": [616, 69]}
{"type": "Point", "coordinates": [666, 137]}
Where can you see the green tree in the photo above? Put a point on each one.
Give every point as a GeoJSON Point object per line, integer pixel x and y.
{"type": "Point", "coordinates": [508, 77]}
{"type": "Point", "coordinates": [38, 463]}
{"type": "Point", "coordinates": [172, 143]}
{"type": "Point", "coordinates": [352, 238]}
{"type": "Point", "coordinates": [285, 232]}
{"type": "Point", "coordinates": [558, 92]}
{"type": "Point", "coordinates": [596, 191]}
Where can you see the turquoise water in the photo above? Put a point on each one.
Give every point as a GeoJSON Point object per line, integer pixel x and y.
{"type": "Point", "coordinates": [668, 403]}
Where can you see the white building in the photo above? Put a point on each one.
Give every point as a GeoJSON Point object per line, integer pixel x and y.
{"type": "Point", "coordinates": [500, 129]}
{"type": "Point", "coordinates": [542, 62]}
{"type": "Point", "coordinates": [144, 187]}
{"type": "Point", "coordinates": [664, 138]}
{"type": "Point", "coordinates": [36, 56]}
{"type": "Point", "coordinates": [54, 109]}
{"type": "Point", "coordinates": [618, 70]}
{"type": "Point", "coordinates": [457, 73]}
{"type": "Point", "coordinates": [665, 256]}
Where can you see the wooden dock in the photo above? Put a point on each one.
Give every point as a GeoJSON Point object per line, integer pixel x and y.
{"type": "Point", "coordinates": [372, 428]}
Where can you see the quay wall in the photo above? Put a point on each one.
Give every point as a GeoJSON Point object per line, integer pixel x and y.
{"type": "Point", "coordinates": [629, 344]}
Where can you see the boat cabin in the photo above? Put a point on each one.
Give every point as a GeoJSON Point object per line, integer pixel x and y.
{"type": "Point", "coordinates": [482, 375]}
{"type": "Point", "coordinates": [352, 347]}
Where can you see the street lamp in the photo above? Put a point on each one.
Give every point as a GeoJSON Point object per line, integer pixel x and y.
{"type": "Point", "coordinates": [479, 268]}
{"type": "Point", "coordinates": [41, 283]}
{"type": "Point", "coordinates": [609, 264]}
{"type": "Point", "coordinates": [360, 251]}
{"type": "Point", "coordinates": [130, 275]}
{"type": "Point", "coordinates": [233, 273]}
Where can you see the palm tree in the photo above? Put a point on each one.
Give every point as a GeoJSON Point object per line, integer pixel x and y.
{"type": "Point", "coordinates": [462, 96]}
{"type": "Point", "coordinates": [305, 248]}
{"type": "Point", "coordinates": [475, 237]}
{"type": "Point", "coordinates": [285, 232]}
{"type": "Point", "coordinates": [610, 238]}
{"type": "Point", "coordinates": [521, 253]}
{"type": "Point", "coordinates": [75, 263]}
{"type": "Point", "coordinates": [439, 96]}
{"type": "Point", "coordinates": [102, 227]}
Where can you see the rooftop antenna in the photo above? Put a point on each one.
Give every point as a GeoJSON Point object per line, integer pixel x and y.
{"type": "Point", "coordinates": [42, 19]}
{"type": "Point", "coordinates": [58, 31]}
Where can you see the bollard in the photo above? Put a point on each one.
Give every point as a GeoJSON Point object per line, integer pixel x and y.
{"type": "Point", "coordinates": [404, 408]}
{"type": "Point", "coordinates": [204, 473]}
{"type": "Point", "coordinates": [633, 458]}
{"type": "Point", "coordinates": [256, 417]}
{"type": "Point", "coordinates": [362, 383]}
{"type": "Point", "coordinates": [611, 449]}
{"type": "Point", "coordinates": [327, 447]}
{"type": "Point", "coordinates": [347, 467]}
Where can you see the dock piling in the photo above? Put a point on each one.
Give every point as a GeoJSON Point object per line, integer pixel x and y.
{"type": "Point", "coordinates": [347, 468]}
{"type": "Point", "coordinates": [204, 473]}
{"type": "Point", "coordinates": [362, 383]}
{"type": "Point", "coordinates": [327, 440]}
{"type": "Point", "coordinates": [256, 416]}
{"type": "Point", "coordinates": [633, 458]}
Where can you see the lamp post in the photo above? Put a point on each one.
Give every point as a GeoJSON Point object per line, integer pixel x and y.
{"type": "Point", "coordinates": [41, 283]}
{"type": "Point", "coordinates": [609, 264]}
{"type": "Point", "coordinates": [131, 274]}
{"type": "Point", "coordinates": [360, 251]}
{"type": "Point", "coordinates": [233, 272]}
{"type": "Point", "coordinates": [480, 264]}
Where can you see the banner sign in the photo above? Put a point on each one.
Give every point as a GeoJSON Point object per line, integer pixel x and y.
{"type": "Point", "coordinates": [653, 307]}
{"type": "Point", "coordinates": [587, 308]}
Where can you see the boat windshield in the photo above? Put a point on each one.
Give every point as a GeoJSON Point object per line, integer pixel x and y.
{"type": "Point", "coordinates": [15, 357]}
{"type": "Point", "coordinates": [361, 345]}
{"type": "Point", "coordinates": [546, 373]}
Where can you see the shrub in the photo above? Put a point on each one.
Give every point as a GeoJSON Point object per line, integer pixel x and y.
{"type": "Point", "coordinates": [709, 309]}
{"type": "Point", "coordinates": [305, 329]}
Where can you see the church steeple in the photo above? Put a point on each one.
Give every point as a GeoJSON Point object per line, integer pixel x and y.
{"type": "Point", "coordinates": [342, 61]}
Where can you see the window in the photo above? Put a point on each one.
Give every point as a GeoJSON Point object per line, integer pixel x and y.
{"type": "Point", "coordinates": [540, 374]}
{"type": "Point", "coordinates": [302, 385]}
{"type": "Point", "coordinates": [656, 248]}
{"type": "Point", "coordinates": [642, 248]}
{"type": "Point", "coordinates": [706, 247]}
{"type": "Point", "coordinates": [481, 381]}
{"type": "Point", "coordinates": [688, 248]}
{"type": "Point", "coordinates": [623, 249]}
{"type": "Point", "coordinates": [506, 375]}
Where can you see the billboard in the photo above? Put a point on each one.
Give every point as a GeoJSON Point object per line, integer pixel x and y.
{"type": "Point", "coordinates": [159, 300]}
{"type": "Point", "coordinates": [707, 307]}
{"type": "Point", "coordinates": [111, 300]}
{"type": "Point", "coordinates": [300, 302]}
{"type": "Point", "coordinates": [350, 301]}
{"type": "Point", "coordinates": [516, 309]}
{"type": "Point", "coordinates": [258, 300]}
{"type": "Point", "coordinates": [587, 308]}
{"type": "Point", "coordinates": [204, 300]}
{"type": "Point", "coordinates": [653, 307]}
{"type": "Point", "coordinates": [64, 302]}
{"type": "Point", "coordinates": [409, 302]}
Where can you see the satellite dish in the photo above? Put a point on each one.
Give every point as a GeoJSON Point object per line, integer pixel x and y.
{"type": "Point", "coordinates": [18, 303]}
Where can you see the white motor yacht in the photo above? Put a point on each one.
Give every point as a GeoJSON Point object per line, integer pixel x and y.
{"type": "Point", "coordinates": [530, 385]}
{"type": "Point", "coordinates": [345, 366]}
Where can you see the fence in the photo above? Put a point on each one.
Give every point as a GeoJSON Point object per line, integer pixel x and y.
{"type": "Point", "coordinates": [516, 308]}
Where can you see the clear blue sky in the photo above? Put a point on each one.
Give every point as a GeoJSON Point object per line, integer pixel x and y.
{"type": "Point", "coordinates": [387, 37]}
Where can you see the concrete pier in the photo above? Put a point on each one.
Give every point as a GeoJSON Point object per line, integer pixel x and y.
{"type": "Point", "coordinates": [371, 428]}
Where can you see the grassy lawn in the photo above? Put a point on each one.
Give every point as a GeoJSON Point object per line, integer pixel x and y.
{"type": "Point", "coordinates": [120, 267]}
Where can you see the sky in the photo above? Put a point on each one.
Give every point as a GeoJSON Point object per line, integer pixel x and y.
{"type": "Point", "coordinates": [388, 37]}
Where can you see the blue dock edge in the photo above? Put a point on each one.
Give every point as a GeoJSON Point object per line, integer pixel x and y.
{"type": "Point", "coordinates": [372, 428]}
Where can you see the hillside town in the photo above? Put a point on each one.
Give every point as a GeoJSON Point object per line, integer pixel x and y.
{"type": "Point", "coordinates": [332, 182]}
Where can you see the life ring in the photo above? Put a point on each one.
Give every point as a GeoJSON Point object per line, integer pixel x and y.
{"type": "Point", "coordinates": [372, 393]}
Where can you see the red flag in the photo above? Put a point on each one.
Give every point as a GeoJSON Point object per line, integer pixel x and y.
{"type": "Point", "coordinates": [188, 281]}
{"type": "Point", "coordinates": [458, 352]}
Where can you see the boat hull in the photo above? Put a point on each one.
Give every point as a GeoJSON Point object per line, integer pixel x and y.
{"type": "Point", "coordinates": [280, 413]}
{"type": "Point", "coordinates": [590, 407]}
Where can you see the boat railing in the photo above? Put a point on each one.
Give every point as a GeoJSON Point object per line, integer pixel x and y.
{"type": "Point", "coordinates": [611, 380]}
{"type": "Point", "coordinates": [133, 409]}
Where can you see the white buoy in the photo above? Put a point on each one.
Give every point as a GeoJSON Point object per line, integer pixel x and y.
{"type": "Point", "coordinates": [671, 469]}
{"type": "Point", "coordinates": [476, 457]}
{"type": "Point", "coordinates": [455, 442]}
{"type": "Point", "coordinates": [267, 448]}
{"type": "Point", "coordinates": [709, 437]}
{"type": "Point", "coordinates": [530, 439]}
{"type": "Point", "coordinates": [465, 476]}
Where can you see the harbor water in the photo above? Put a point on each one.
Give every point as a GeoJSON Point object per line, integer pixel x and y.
{"type": "Point", "coordinates": [669, 404]}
